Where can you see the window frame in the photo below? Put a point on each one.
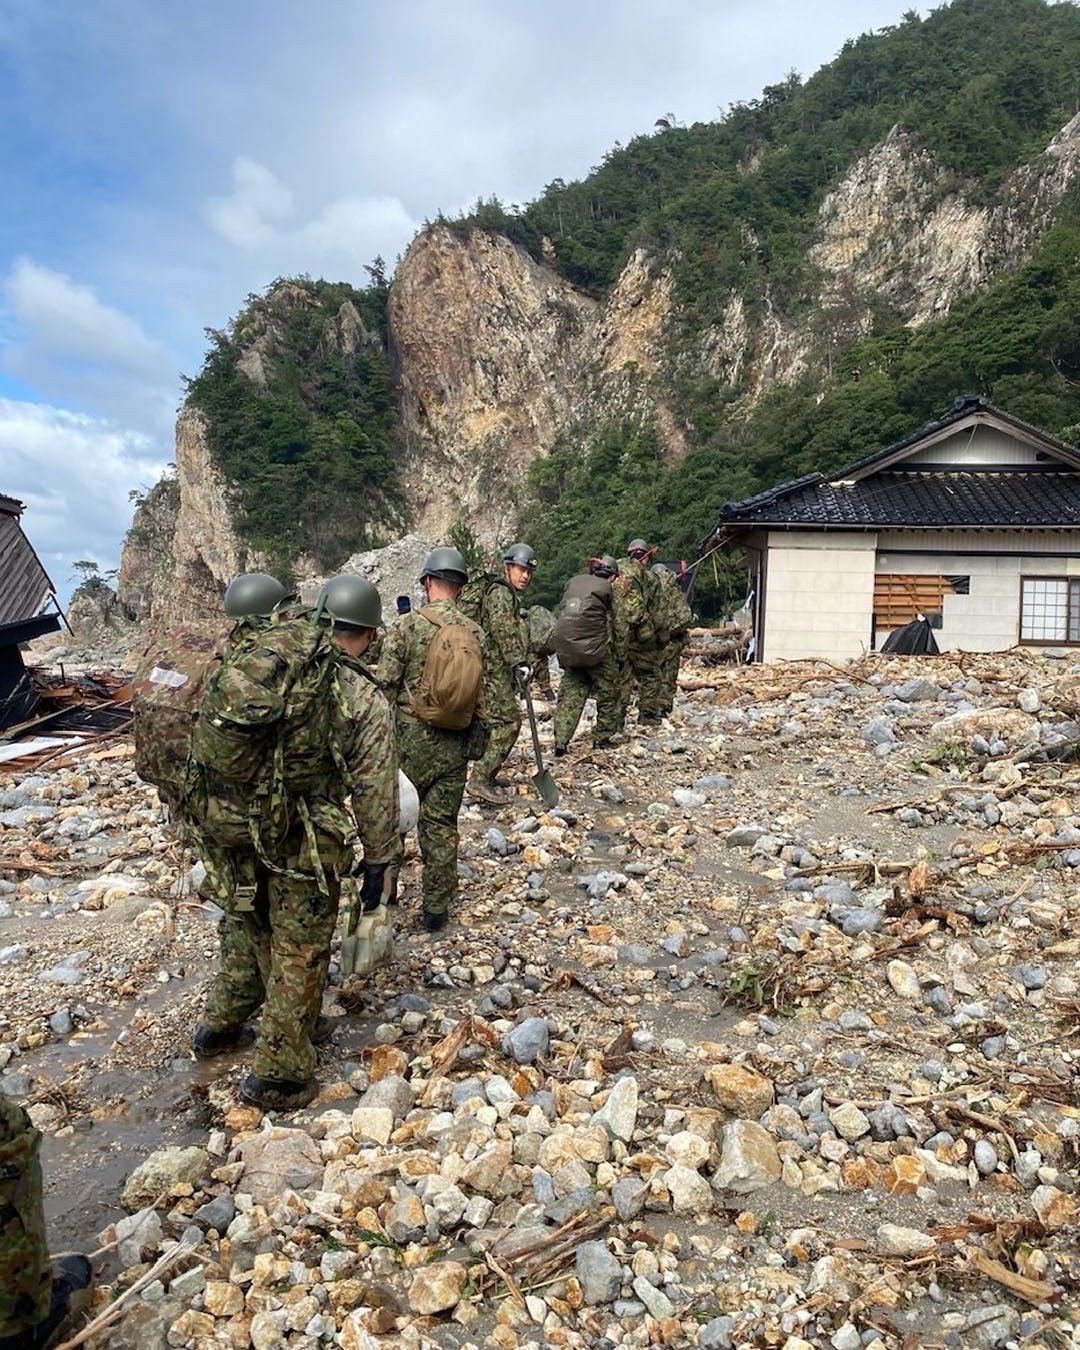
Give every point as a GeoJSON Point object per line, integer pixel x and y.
{"type": "Point", "coordinates": [1070, 583]}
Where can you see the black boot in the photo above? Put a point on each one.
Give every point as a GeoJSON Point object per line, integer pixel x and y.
{"type": "Point", "coordinates": [324, 1029]}
{"type": "Point", "coordinates": [72, 1277]}
{"type": "Point", "coordinates": [560, 750]}
{"type": "Point", "coordinates": [433, 922]}
{"type": "Point", "coordinates": [209, 1042]}
{"type": "Point", "coordinates": [277, 1094]}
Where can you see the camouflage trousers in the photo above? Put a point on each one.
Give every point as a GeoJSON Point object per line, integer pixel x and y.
{"type": "Point", "coordinates": [670, 659]}
{"type": "Point", "coordinates": [576, 686]}
{"type": "Point", "coordinates": [502, 714]}
{"type": "Point", "coordinates": [275, 947]}
{"type": "Point", "coordinates": [642, 669]}
{"type": "Point", "coordinates": [25, 1273]}
{"type": "Point", "coordinates": [434, 762]}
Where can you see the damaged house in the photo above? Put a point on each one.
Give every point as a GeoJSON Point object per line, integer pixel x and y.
{"type": "Point", "coordinates": [973, 522]}
{"type": "Point", "coordinates": [28, 609]}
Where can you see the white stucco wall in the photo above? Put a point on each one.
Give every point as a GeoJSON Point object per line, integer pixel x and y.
{"type": "Point", "coordinates": [979, 446]}
{"type": "Point", "coordinates": [988, 619]}
{"type": "Point", "coordinates": [819, 593]}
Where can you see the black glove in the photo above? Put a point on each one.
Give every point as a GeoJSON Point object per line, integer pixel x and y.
{"type": "Point", "coordinates": [375, 881]}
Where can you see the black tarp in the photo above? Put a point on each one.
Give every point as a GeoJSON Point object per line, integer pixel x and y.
{"type": "Point", "coordinates": [914, 639]}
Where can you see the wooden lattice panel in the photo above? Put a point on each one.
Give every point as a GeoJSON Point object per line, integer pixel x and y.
{"type": "Point", "coordinates": [899, 597]}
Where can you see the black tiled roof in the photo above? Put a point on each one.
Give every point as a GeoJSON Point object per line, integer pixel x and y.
{"type": "Point", "coordinates": [958, 498]}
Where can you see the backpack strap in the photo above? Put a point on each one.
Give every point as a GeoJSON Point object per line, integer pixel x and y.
{"type": "Point", "coordinates": [433, 616]}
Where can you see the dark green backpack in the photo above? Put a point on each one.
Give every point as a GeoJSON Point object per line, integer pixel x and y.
{"type": "Point", "coordinates": [265, 736]}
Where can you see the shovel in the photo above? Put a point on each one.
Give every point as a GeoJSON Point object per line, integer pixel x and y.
{"type": "Point", "coordinates": [542, 780]}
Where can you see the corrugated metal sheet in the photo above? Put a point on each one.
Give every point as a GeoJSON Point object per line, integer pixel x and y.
{"type": "Point", "coordinates": [24, 584]}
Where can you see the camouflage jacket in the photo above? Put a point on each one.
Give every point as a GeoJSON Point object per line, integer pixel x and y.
{"type": "Point", "coordinates": [675, 616]}
{"type": "Point", "coordinates": [366, 738]}
{"type": "Point", "coordinates": [404, 651]}
{"type": "Point", "coordinates": [506, 632]}
{"type": "Point", "coordinates": [637, 599]}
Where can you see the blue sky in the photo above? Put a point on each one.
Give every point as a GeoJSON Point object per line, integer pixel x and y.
{"type": "Point", "coordinates": [160, 161]}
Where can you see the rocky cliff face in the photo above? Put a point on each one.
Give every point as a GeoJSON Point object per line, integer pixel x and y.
{"type": "Point", "coordinates": [496, 356]}
{"type": "Point", "coordinates": [182, 549]}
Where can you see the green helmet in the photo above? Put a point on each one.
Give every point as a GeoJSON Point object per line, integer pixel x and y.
{"type": "Point", "coordinates": [446, 564]}
{"type": "Point", "coordinates": [637, 546]}
{"type": "Point", "coordinates": [253, 594]}
{"type": "Point", "coordinates": [521, 554]}
{"type": "Point", "coordinates": [603, 566]}
{"type": "Point", "coordinates": [659, 569]}
{"type": "Point", "coordinates": [351, 601]}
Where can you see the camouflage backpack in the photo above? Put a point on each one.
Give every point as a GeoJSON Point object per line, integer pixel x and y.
{"type": "Point", "coordinates": [265, 735]}
{"type": "Point", "coordinates": [675, 615]}
{"type": "Point", "coordinates": [166, 691]}
{"type": "Point", "coordinates": [471, 600]}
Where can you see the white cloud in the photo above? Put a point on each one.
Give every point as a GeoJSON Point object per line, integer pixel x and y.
{"type": "Point", "coordinates": [74, 473]}
{"type": "Point", "coordinates": [69, 319]}
{"type": "Point", "coordinates": [245, 217]}
{"type": "Point", "coordinates": [78, 350]}
{"type": "Point", "coordinates": [259, 217]}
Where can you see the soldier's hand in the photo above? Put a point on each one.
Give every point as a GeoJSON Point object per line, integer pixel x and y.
{"type": "Point", "coordinates": [376, 879]}
{"type": "Point", "coordinates": [521, 675]}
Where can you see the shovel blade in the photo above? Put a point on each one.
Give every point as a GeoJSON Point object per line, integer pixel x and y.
{"type": "Point", "coordinates": [546, 787]}
{"type": "Point", "coordinates": [348, 955]}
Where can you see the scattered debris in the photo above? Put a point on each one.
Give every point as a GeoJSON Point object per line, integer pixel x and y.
{"type": "Point", "coordinates": [767, 1036]}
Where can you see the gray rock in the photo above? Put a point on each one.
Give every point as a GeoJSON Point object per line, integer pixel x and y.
{"type": "Point", "coordinates": [618, 1115]}
{"type": "Point", "coordinates": [137, 1234]}
{"type": "Point", "coordinates": [859, 921]}
{"type": "Point", "coordinates": [156, 1175]}
{"type": "Point", "coordinates": [628, 1197]}
{"type": "Point", "coordinates": [392, 1091]}
{"type": "Point", "coordinates": [62, 975]}
{"type": "Point", "coordinates": [990, 1327]}
{"type": "Point", "coordinates": [528, 1041]}
{"type": "Point", "coordinates": [917, 691]}
{"type": "Point", "coordinates": [986, 1158]}
{"type": "Point", "coordinates": [14, 955]}
{"type": "Point", "coordinates": [598, 1272]}
{"type": "Point", "coordinates": [5, 910]}
{"type": "Point", "coordinates": [632, 954]}
{"type": "Point", "coordinates": [217, 1213]}
{"type": "Point", "coordinates": [1031, 977]}
{"type": "Point", "coordinates": [13, 1084]}
{"type": "Point", "coordinates": [744, 836]}
{"type": "Point", "coordinates": [61, 1022]}
{"type": "Point", "coordinates": [717, 1334]}
{"type": "Point", "coordinates": [879, 731]}
{"type": "Point", "coordinates": [937, 997]}
{"type": "Point", "coordinates": [713, 782]}
{"type": "Point", "coordinates": [496, 842]}
{"type": "Point", "coordinates": [1029, 700]}
{"type": "Point", "coordinates": [688, 799]}
{"type": "Point", "coordinates": [655, 1300]}
{"type": "Point", "coordinates": [465, 1091]}
{"type": "Point", "coordinates": [992, 1047]}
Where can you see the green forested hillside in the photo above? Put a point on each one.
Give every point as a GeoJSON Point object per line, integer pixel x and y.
{"type": "Point", "coordinates": [726, 207]}
{"type": "Point", "coordinates": [983, 85]}
{"type": "Point", "coordinates": [309, 453]}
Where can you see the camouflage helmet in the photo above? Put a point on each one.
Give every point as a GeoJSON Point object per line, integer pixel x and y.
{"type": "Point", "coordinates": [253, 594]}
{"type": "Point", "coordinates": [603, 566]}
{"type": "Point", "coordinates": [351, 601]}
{"type": "Point", "coordinates": [659, 569]}
{"type": "Point", "coordinates": [521, 555]}
{"type": "Point", "coordinates": [637, 546]}
{"type": "Point", "coordinates": [446, 564]}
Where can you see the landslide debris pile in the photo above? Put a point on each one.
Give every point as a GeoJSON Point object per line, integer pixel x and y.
{"type": "Point", "coordinates": [767, 1036]}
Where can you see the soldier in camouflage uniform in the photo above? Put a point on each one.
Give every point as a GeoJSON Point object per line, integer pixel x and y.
{"type": "Point", "coordinates": [601, 681]}
{"type": "Point", "coordinates": [282, 915]}
{"type": "Point", "coordinates": [676, 617]}
{"type": "Point", "coordinates": [638, 593]}
{"type": "Point", "coordinates": [34, 1299]}
{"type": "Point", "coordinates": [434, 759]}
{"type": "Point", "coordinates": [506, 660]}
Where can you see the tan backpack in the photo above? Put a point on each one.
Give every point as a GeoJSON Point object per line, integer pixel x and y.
{"type": "Point", "coordinates": [453, 674]}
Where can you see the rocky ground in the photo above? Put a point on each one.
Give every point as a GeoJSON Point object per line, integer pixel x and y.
{"type": "Point", "coordinates": [767, 1037]}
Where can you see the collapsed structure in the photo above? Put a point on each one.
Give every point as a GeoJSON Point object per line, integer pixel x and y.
{"type": "Point", "coordinates": [28, 609]}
